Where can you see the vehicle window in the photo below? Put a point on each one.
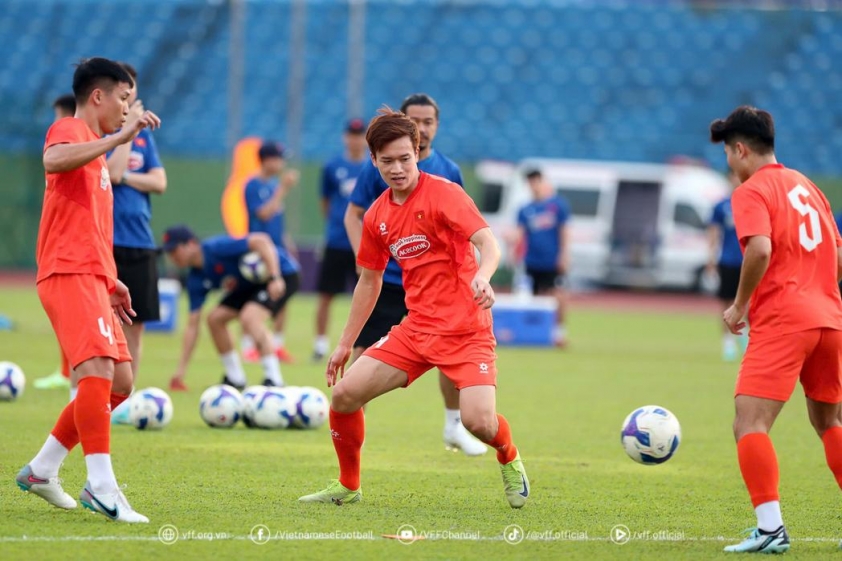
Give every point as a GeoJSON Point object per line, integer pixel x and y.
{"type": "Point", "coordinates": [492, 196]}
{"type": "Point", "coordinates": [583, 202]}
{"type": "Point", "coordinates": [686, 215]}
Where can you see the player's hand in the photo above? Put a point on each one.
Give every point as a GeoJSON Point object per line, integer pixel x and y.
{"type": "Point", "coordinates": [131, 129]}
{"type": "Point", "coordinates": [483, 293]}
{"type": "Point", "coordinates": [135, 112]}
{"type": "Point", "coordinates": [733, 318]}
{"type": "Point", "coordinates": [121, 303]}
{"type": "Point", "coordinates": [336, 364]}
{"type": "Point", "coordinates": [276, 288]}
{"type": "Point", "coordinates": [290, 179]}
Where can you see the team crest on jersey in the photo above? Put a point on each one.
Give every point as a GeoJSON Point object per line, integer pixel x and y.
{"type": "Point", "coordinates": [383, 230]}
{"type": "Point", "coordinates": [135, 160]}
{"type": "Point", "coordinates": [409, 247]}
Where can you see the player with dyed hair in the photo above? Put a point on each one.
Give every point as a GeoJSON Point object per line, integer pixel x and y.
{"type": "Point", "coordinates": [78, 286]}
{"type": "Point", "coordinates": [431, 227]}
{"type": "Point", "coordinates": [391, 307]}
{"type": "Point", "coordinates": [788, 284]}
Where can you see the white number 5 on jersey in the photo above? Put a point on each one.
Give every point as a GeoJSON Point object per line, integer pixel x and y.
{"type": "Point", "coordinates": [795, 197]}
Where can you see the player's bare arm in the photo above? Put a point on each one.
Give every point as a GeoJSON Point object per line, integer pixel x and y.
{"type": "Point", "coordinates": [758, 253]}
{"type": "Point", "coordinates": [121, 303]}
{"type": "Point", "coordinates": [66, 157]}
{"type": "Point", "coordinates": [489, 259]}
{"type": "Point", "coordinates": [263, 246]}
{"type": "Point", "coordinates": [563, 254]}
{"type": "Point", "coordinates": [354, 225]}
{"type": "Point", "coordinates": [839, 264]}
{"type": "Point", "coordinates": [153, 181]}
{"type": "Point", "coordinates": [276, 203]}
{"type": "Point", "coordinates": [714, 243]}
{"type": "Point", "coordinates": [365, 296]}
{"type": "Point", "coordinates": [188, 343]}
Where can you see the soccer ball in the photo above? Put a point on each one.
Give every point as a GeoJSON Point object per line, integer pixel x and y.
{"type": "Point", "coordinates": [276, 408]}
{"type": "Point", "coordinates": [251, 397]}
{"type": "Point", "coordinates": [650, 435]}
{"type": "Point", "coordinates": [221, 406]}
{"type": "Point", "coordinates": [12, 381]}
{"type": "Point", "coordinates": [150, 409]}
{"type": "Point", "coordinates": [312, 409]}
{"type": "Point", "coordinates": [253, 268]}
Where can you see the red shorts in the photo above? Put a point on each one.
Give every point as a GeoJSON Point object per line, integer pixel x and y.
{"type": "Point", "coordinates": [467, 359]}
{"type": "Point", "coordinates": [771, 366]}
{"type": "Point", "coordinates": [80, 310]}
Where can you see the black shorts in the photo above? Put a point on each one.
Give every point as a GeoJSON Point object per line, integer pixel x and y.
{"type": "Point", "coordinates": [389, 310]}
{"type": "Point", "coordinates": [138, 270]}
{"type": "Point", "coordinates": [247, 292]}
{"type": "Point", "coordinates": [338, 270]}
{"type": "Point", "coordinates": [729, 280]}
{"type": "Point", "coordinates": [544, 281]}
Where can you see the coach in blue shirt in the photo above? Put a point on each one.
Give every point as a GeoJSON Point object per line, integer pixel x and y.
{"type": "Point", "coordinates": [265, 195]}
{"type": "Point", "coordinates": [136, 171]}
{"type": "Point", "coordinates": [390, 308]}
{"type": "Point", "coordinates": [542, 225]}
{"type": "Point", "coordinates": [726, 257]}
{"type": "Point", "coordinates": [338, 267]}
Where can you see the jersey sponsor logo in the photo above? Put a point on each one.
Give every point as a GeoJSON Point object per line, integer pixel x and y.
{"type": "Point", "coordinates": [542, 221]}
{"type": "Point", "coordinates": [104, 179]}
{"type": "Point", "coordinates": [483, 368]}
{"type": "Point", "coordinates": [383, 230]}
{"type": "Point", "coordinates": [410, 246]}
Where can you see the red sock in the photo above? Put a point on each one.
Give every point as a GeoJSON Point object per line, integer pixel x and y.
{"type": "Point", "coordinates": [348, 432]}
{"type": "Point", "coordinates": [65, 429]}
{"type": "Point", "coordinates": [65, 365]}
{"type": "Point", "coordinates": [759, 466]}
{"type": "Point", "coordinates": [92, 415]}
{"type": "Point", "coordinates": [502, 441]}
{"type": "Point", "coordinates": [832, 439]}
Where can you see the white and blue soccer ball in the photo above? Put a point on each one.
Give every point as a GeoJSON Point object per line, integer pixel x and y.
{"type": "Point", "coordinates": [650, 435]}
{"type": "Point", "coordinates": [12, 381]}
{"type": "Point", "coordinates": [251, 397]}
{"type": "Point", "coordinates": [312, 409]}
{"type": "Point", "coordinates": [253, 268]}
{"type": "Point", "coordinates": [150, 409]}
{"type": "Point", "coordinates": [221, 406]}
{"type": "Point", "coordinates": [276, 408]}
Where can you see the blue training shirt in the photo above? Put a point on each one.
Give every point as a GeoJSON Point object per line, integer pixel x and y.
{"type": "Point", "coordinates": [132, 208]}
{"type": "Point", "coordinates": [258, 191]}
{"type": "Point", "coordinates": [339, 177]}
{"type": "Point", "coordinates": [222, 259]}
{"type": "Point", "coordinates": [542, 221]}
{"type": "Point", "coordinates": [730, 254]}
{"type": "Point", "coordinates": [370, 185]}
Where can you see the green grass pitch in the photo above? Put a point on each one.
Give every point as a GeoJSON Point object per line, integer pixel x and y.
{"type": "Point", "coordinates": [565, 409]}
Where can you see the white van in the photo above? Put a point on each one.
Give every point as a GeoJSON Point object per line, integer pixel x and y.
{"type": "Point", "coordinates": [637, 225]}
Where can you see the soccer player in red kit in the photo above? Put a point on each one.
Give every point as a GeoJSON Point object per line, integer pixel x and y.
{"type": "Point", "coordinates": [430, 226]}
{"type": "Point", "coordinates": [788, 284]}
{"type": "Point", "coordinates": [78, 287]}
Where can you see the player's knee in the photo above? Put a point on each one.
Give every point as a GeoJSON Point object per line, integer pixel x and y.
{"type": "Point", "coordinates": [342, 400]}
{"type": "Point", "coordinates": [482, 425]}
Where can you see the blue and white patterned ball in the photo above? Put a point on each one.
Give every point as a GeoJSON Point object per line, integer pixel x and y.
{"type": "Point", "coordinates": [12, 381]}
{"type": "Point", "coordinates": [312, 409]}
{"type": "Point", "coordinates": [275, 409]}
{"type": "Point", "coordinates": [221, 406]}
{"type": "Point", "coordinates": [253, 268]}
{"type": "Point", "coordinates": [650, 435]}
{"type": "Point", "coordinates": [150, 409]}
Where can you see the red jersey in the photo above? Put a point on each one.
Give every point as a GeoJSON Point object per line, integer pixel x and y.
{"type": "Point", "coordinates": [799, 290]}
{"type": "Point", "coordinates": [77, 221]}
{"type": "Point", "coordinates": [428, 235]}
